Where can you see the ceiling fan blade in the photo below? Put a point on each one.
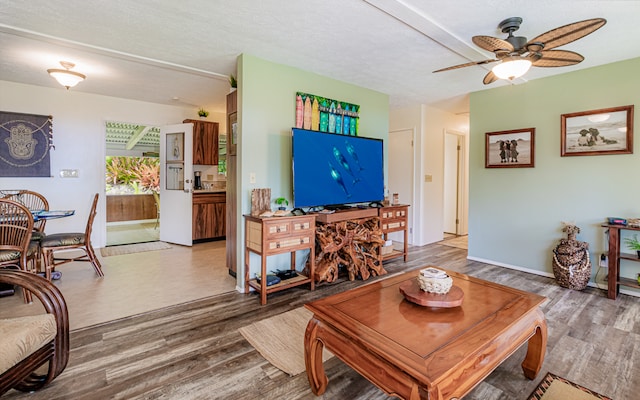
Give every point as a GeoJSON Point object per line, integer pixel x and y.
{"type": "Point", "coordinates": [492, 44]}
{"type": "Point", "coordinates": [567, 33]}
{"type": "Point", "coordinates": [469, 64]}
{"type": "Point", "coordinates": [557, 58]}
{"type": "Point", "coordinates": [490, 78]}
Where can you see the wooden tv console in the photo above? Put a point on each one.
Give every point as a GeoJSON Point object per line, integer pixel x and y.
{"type": "Point", "coordinates": [277, 235]}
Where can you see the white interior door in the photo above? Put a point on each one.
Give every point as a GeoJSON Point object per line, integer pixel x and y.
{"type": "Point", "coordinates": [451, 174]}
{"type": "Point", "coordinates": [176, 178]}
{"type": "Point", "coordinates": [401, 171]}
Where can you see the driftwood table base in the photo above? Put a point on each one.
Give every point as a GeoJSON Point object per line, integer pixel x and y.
{"type": "Point", "coordinates": [416, 352]}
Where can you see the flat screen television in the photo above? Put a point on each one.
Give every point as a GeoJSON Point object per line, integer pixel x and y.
{"type": "Point", "coordinates": [332, 169]}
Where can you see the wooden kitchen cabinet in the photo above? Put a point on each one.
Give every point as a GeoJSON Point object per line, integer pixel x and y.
{"type": "Point", "coordinates": [205, 142]}
{"type": "Point", "coordinates": [208, 215]}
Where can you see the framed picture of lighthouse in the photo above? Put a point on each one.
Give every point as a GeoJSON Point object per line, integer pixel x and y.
{"type": "Point", "coordinates": [510, 149]}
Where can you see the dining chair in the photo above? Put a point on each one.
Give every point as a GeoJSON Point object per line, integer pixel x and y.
{"type": "Point", "coordinates": [16, 247]}
{"type": "Point", "coordinates": [34, 201]}
{"type": "Point", "coordinates": [70, 241]}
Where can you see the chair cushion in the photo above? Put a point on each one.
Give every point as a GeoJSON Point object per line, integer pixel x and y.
{"type": "Point", "coordinates": [37, 235]}
{"type": "Point", "coordinates": [10, 255]}
{"type": "Point", "coordinates": [62, 239]}
{"type": "Point", "coordinates": [22, 336]}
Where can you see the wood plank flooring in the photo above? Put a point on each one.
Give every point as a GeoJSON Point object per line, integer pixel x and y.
{"type": "Point", "coordinates": [193, 351]}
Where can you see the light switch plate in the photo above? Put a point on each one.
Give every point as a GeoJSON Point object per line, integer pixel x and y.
{"type": "Point", "coordinates": [68, 173]}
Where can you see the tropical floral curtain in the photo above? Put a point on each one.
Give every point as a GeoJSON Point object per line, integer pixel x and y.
{"type": "Point", "coordinates": [25, 141]}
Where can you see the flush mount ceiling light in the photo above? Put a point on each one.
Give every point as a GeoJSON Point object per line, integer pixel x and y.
{"type": "Point", "coordinates": [511, 68]}
{"type": "Point", "coordinates": [66, 77]}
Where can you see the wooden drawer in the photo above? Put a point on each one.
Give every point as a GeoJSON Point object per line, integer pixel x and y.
{"type": "Point", "coordinates": [393, 219]}
{"type": "Point", "coordinates": [280, 228]}
{"type": "Point", "coordinates": [393, 225]}
{"type": "Point", "coordinates": [393, 213]}
{"type": "Point", "coordinates": [280, 234]}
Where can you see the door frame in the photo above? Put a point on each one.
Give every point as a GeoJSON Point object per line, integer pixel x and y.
{"type": "Point", "coordinates": [413, 210]}
{"type": "Point", "coordinates": [462, 180]}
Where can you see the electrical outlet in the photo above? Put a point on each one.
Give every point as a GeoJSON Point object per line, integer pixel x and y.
{"type": "Point", "coordinates": [604, 261]}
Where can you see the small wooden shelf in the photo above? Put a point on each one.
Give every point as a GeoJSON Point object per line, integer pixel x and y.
{"type": "Point", "coordinates": [614, 278]}
{"type": "Point", "coordinates": [285, 284]}
{"type": "Point", "coordinates": [629, 256]}
{"type": "Point", "coordinates": [628, 282]}
{"type": "Point", "coordinates": [395, 218]}
{"type": "Point", "coordinates": [278, 235]}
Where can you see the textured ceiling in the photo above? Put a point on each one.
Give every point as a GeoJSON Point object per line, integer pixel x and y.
{"type": "Point", "coordinates": [182, 52]}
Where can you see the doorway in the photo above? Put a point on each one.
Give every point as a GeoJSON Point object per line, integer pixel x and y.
{"type": "Point", "coordinates": [132, 183]}
{"type": "Point", "coordinates": [401, 175]}
{"type": "Point", "coordinates": [454, 203]}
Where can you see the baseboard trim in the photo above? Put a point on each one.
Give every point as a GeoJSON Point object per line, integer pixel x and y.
{"type": "Point", "coordinates": [543, 273]}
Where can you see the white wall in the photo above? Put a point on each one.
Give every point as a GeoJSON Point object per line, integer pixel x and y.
{"type": "Point", "coordinates": [79, 136]}
{"type": "Point", "coordinates": [430, 125]}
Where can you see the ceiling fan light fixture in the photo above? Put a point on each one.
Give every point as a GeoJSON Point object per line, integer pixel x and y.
{"type": "Point", "coordinates": [66, 77]}
{"type": "Point", "coordinates": [511, 68]}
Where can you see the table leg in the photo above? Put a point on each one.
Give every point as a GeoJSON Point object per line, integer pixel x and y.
{"type": "Point", "coordinates": [536, 350]}
{"type": "Point", "coordinates": [313, 358]}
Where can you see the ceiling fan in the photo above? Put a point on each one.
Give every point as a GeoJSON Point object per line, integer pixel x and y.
{"type": "Point", "coordinates": [515, 55]}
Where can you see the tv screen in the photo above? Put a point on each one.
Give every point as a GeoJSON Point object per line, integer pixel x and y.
{"type": "Point", "coordinates": [333, 169]}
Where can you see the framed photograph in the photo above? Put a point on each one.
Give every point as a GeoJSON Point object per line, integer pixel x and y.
{"type": "Point", "coordinates": [597, 132]}
{"type": "Point", "coordinates": [510, 149]}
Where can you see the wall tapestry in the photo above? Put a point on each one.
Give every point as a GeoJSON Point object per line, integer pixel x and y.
{"type": "Point", "coordinates": [326, 115]}
{"type": "Point", "coordinates": [25, 140]}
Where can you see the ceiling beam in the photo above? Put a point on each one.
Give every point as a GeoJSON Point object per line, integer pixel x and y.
{"type": "Point", "coordinates": [424, 24]}
{"type": "Point", "coordinates": [138, 134]}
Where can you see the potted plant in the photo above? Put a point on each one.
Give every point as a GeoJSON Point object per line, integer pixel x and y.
{"type": "Point", "coordinates": [203, 113]}
{"type": "Point", "coordinates": [282, 203]}
{"type": "Point", "coordinates": [233, 82]}
{"type": "Point", "coordinates": [633, 244]}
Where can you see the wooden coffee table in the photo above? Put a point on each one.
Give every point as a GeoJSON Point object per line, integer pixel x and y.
{"type": "Point", "coordinates": [417, 352]}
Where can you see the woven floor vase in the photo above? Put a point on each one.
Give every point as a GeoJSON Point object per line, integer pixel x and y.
{"type": "Point", "coordinates": [571, 262]}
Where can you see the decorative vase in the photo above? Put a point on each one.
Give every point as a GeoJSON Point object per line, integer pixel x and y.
{"type": "Point", "coordinates": [571, 262]}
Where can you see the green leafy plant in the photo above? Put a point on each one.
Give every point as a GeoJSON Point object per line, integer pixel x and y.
{"type": "Point", "coordinates": [203, 113]}
{"type": "Point", "coordinates": [133, 174]}
{"type": "Point", "coordinates": [281, 202]}
{"type": "Point", "coordinates": [233, 81]}
{"type": "Point", "coordinates": [633, 243]}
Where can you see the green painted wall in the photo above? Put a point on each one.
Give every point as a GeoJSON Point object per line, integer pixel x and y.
{"type": "Point", "coordinates": [515, 214]}
{"type": "Point", "coordinates": [267, 113]}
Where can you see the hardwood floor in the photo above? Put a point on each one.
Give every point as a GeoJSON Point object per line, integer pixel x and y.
{"type": "Point", "coordinates": [193, 351]}
{"type": "Point", "coordinates": [135, 283]}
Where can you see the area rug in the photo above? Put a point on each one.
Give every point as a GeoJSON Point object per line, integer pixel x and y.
{"type": "Point", "coordinates": [554, 387]}
{"type": "Point", "coordinates": [133, 248]}
{"type": "Point", "coordinates": [280, 339]}
{"type": "Point", "coordinates": [460, 242]}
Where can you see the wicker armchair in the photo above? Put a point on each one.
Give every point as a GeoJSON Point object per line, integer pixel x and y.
{"type": "Point", "coordinates": [16, 247]}
{"type": "Point", "coordinates": [30, 342]}
{"type": "Point", "coordinates": [34, 201]}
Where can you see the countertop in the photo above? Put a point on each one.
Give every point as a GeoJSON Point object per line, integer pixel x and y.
{"type": "Point", "coordinates": [206, 191]}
